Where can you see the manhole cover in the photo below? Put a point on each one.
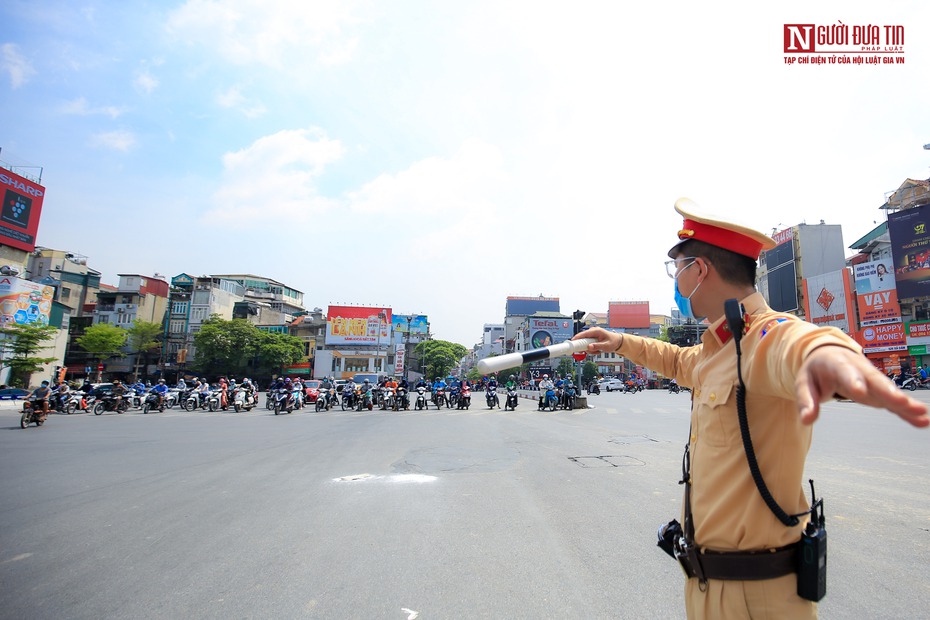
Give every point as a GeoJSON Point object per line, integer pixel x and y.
{"type": "Point", "coordinates": [606, 461]}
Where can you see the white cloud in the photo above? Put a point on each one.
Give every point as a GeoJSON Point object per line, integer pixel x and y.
{"type": "Point", "coordinates": [277, 176]}
{"type": "Point", "coordinates": [465, 183]}
{"type": "Point", "coordinates": [146, 82]}
{"type": "Point", "coordinates": [116, 140]}
{"type": "Point", "coordinates": [233, 98]}
{"type": "Point", "coordinates": [79, 107]}
{"type": "Point", "coordinates": [278, 34]}
{"type": "Point", "coordinates": [12, 62]}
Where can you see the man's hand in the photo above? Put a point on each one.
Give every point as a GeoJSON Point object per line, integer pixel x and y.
{"type": "Point", "coordinates": [605, 341]}
{"type": "Point", "coordinates": [833, 370]}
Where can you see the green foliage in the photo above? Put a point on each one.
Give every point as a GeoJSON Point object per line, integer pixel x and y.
{"type": "Point", "coordinates": [440, 356]}
{"type": "Point", "coordinates": [23, 341]}
{"type": "Point", "coordinates": [230, 347]}
{"type": "Point", "coordinates": [566, 366]}
{"type": "Point", "coordinates": [103, 340]}
{"type": "Point", "coordinates": [143, 336]}
{"type": "Point", "coordinates": [663, 334]}
{"type": "Point", "coordinates": [589, 371]}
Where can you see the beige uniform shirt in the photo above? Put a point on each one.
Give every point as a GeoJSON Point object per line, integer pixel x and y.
{"type": "Point", "coordinates": [729, 513]}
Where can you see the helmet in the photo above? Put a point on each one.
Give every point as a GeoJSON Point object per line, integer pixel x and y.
{"type": "Point", "coordinates": [367, 381]}
{"type": "Point", "coordinates": [45, 383]}
{"type": "Point", "coordinates": [545, 376]}
{"type": "Point", "coordinates": [437, 378]}
{"type": "Point", "coordinates": [161, 380]}
{"type": "Point", "coordinates": [512, 377]}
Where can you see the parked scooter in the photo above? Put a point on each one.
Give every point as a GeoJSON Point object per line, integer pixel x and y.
{"type": "Point", "coordinates": [512, 400]}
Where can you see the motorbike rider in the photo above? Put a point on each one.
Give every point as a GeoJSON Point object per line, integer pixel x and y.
{"type": "Point", "coordinates": [421, 383]}
{"type": "Point", "coordinates": [61, 394]}
{"type": "Point", "coordinates": [162, 390]}
{"type": "Point", "coordinates": [181, 384]}
{"type": "Point", "coordinates": [348, 391]}
{"type": "Point", "coordinates": [511, 382]}
{"type": "Point", "coordinates": [119, 391]}
{"type": "Point", "coordinates": [390, 387]}
{"type": "Point", "coordinates": [41, 394]}
{"type": "Point", "coordinates": [203, 392]}
{"type": "Point", "coordinates": [544, 386]}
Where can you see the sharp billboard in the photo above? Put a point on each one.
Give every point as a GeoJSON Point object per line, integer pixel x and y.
{"type": "Point", "coordinates": [22, 206]}
{"type": "Point", "coordinates": [876, 294]}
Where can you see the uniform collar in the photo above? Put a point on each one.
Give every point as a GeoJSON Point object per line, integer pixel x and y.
{"type": "Point", "coordinates": [720, 331]}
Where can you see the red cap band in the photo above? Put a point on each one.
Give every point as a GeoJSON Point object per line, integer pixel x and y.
{"type": "Point", "coordinates": [722, 238]}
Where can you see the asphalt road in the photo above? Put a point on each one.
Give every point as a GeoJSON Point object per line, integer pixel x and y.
{"type": "Point", "coordinates": [473, 514]}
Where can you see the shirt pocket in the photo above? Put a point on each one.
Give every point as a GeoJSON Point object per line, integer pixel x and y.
{"type": "Point", "coordinates": [718, 424]}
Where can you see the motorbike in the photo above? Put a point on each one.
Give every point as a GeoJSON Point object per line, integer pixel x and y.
{"type": "Point", "coordinates": [511, 402]}
{"type": "Point", "coordinates": [594, 388]}
{"type": "Point", "coordinates": [109, 402]}
{"type": "Point", "coordinates": [548, 401]}
{"type": "Point", "coordinates": [568, 397]}
{"type": "Point", "coordinates": [67, 402]}
{"type": "Point", "coordinates": [243, 399]}
{"type": "Point", "coordinates": [674, 388]}
{"type": "Point", "coordinates": [32, 415]}
{"type": "Point", "coordinates": [464, 398]}
{"type": "Point", "coordinates": [492, 398]}
{"type": "Point", "coordinates": [400, 399]}
{"type": "Point", "coordinates": [453, 399]}
{"type": "Point", "coordinates": [323, 400]}
{"type": "Point", "coordinates": [348, 399]}
{"type": "Point", "coordinates": [364, 399]}
{"type": "Point", "coordinates": [283, 401]}
{"type": "Point", "coordinates": [172, 398]}
{"type": "Point", "coordinates": [421, 402]}
{"type": "Point", "coordinates": [190, 400]}
{"type": "Point", "coordinates": [153, 400]}
{"type": "Point", "coordinates": [912, 382]}
{"type": "Point", "coordinates": [439, 398]}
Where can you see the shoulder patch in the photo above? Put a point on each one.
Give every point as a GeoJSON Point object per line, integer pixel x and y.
{"type": "Point", "coordinates": [770, 324]}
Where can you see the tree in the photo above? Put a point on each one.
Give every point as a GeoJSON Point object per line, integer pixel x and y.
{"type": "Point", "coordinates": [566, 367]}
{"type": "Point", "coordinates": [24, 341]}
{"type": "Point", "coordinates": [588, 371]}
{"type": "Point", "coordinates": [440, 356]}
{"type": "Point", "coordinates": [230, 347]}
{"type": "Point", "coordinates": [103, 340]}
{"type": "Point", "coordinates": [143, 339]}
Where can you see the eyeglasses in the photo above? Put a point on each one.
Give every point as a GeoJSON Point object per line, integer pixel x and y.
{"type": "Point", "coordinates": [673, 267]}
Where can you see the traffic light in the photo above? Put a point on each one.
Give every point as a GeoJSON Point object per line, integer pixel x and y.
{"type": "Point", "coordinates": [577, 316]}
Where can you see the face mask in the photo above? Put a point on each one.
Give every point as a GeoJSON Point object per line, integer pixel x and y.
{"type": "Point", "coordinates": [684, 303]}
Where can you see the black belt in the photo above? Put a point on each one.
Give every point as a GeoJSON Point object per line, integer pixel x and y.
{"type": "Point", "coordinates": [745, 565]}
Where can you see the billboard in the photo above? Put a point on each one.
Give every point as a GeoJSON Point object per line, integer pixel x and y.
{"type": "Point", "coordinates": [22, 301]}
{"type": "Point", "coordinates": [910, 250]}
{"type": "Point", "coordinates": [19, 215]}
{"type": "Point", "coordinates": [828, 299]}
{"type": "Point", "coordinates": [548, 331]}
{"type": "Point", "coordinates": [628, 314]}
{"type": "Point", "coordinates": [918, 333]}
{"type": "Point", "coordinates": [419, 324]}
{"type": "Point", "coordinates": [876, 294]}
{"type": "Point", "coordinates": [782, 278]}
{"type": "Point", "coordinates": [399, 355]}
{"type": "Point", "coordinates": [358, 325]}
{"type": "Point", "coordinates": [883, 338]}
{"type": "Point", "coordinates": [525, 306]}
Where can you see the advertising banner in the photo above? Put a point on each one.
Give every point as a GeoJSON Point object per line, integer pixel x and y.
{"type": "Point", "coordinates": [399, 354]}
{"type": "Point", "coordinates": [876, 294]}
{"type": "Point", "coordinates": [910, 249]}
{"type": "Point", "coordinates": [883, 338]}
{"type": "Point", "coordinates": [22, 301]}
{"type": "Point", "coordinates": [545, 332]}
{"type": "Point", "coordinates": [628, 314]}
{"type": "Point", "coordinates": [419, 324]}
{"type": "Point", "coordinates": [358, 325]}
{"type": "Point", "coordinates": [827, 299]}
{"type": "Point", "coordinates": [19, 214]}
{"type": "Point", "coordinates": [918, 333]}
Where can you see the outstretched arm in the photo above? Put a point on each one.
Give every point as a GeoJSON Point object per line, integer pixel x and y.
{"type": "Point", "coordinates": [832, 370]}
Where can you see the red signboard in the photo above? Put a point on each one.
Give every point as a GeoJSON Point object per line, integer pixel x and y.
{"type": "Point", "coordinates": [879, 338]}
{"type": "Point", "coordinates": [19, 215]}
{"type": "Point", "coordinates": [628, 314]}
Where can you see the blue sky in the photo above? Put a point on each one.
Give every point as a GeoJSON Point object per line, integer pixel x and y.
{"type": "Point", "coordinates": [437, 157]}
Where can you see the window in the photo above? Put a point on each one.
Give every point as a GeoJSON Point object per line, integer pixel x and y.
{"type": "Point", "coordinates": [65, 293]}
{"type": "Point", "coordinates": [103, 318]}
{"type": "Point", "coordinates": [179, 307]}
{"type": "Point", "coordinates": [176, 327]}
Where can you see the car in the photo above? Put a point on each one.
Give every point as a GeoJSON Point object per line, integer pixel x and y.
{"type": "Point", "coordinates": [14, 393]}
{"type": "Point", "coordinates": [312, 390]}
{"type": "Point", "coordinates": [610, 384]}
{"type": "Point", "coordinates": [340, 384]}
